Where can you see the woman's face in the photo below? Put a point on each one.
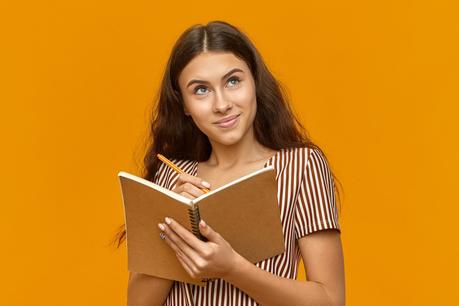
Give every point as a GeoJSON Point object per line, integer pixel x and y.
{"type": "Point", "coordinates": [218, 86]}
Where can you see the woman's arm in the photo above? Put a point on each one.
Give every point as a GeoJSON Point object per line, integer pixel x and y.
{"type": "Point", "coordinates": [146, 290]}
{"type": "Point", "coordinates": [323, 261]}
{"type": "Point", "coordinates": [321, 251]}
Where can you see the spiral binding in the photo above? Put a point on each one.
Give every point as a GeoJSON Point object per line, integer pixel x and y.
{"type": "Point", "coordinates": [194, 220]}
{"type": "Point", "coordinates": [193, 212]}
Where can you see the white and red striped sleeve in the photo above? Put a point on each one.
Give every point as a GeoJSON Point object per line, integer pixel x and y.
{"type": "Point", "coordinates": [315, 208]}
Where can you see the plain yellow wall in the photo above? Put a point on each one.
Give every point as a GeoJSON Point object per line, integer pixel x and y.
{"type": "Point", "coordinates": [374, 82]}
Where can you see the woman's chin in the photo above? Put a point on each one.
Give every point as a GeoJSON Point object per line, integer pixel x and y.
{"type": "Point", "coordinates": [227, 140]}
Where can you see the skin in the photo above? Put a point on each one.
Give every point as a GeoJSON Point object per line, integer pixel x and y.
{"type": "Point", "coordinates": [236, 152]}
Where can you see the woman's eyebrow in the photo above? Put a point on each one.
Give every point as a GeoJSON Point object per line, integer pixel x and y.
{"type": "Point", "coordinates": [223, 77]}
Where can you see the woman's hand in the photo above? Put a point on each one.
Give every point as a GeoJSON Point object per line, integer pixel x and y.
{"type": "Point", "coordinates": [190, 186]}
{"type": "Point", "coordinates": [212, 259]}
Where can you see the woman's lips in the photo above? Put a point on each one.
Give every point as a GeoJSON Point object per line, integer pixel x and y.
{"type": "Point", "coordinates": [229, 123]}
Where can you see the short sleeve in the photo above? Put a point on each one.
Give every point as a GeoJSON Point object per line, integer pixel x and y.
{"type": "Point", "coordinates": [315, 208]}
{"type": "Point", "coordinates": [166, 177]}
{"type": "Point", "coordinates": [162, 175]}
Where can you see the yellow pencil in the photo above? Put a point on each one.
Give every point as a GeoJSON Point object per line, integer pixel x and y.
{"type": "Point", "coordinates": [177, 169]}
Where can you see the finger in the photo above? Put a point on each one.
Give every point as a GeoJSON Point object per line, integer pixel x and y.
{"type": "Point", "coordinates": [178, 244]}
{"type": "Point", "coordinates": [185, 264]}
{"type": "Point", "coordinates": [184, 260]}
{"type": "Point", "coordinates": [189, 191]}
{"type": "Point", "coordinates": [208, 232]}
{"type": "Point", "coordinates": [188, 178]}
{"type": "Point", "coordinates": [189, 238]}
{"type": "Point", "coordinates": [170, 242]}
{"type": "Point", "coordinates": [192, 189]}
{"type": "Point", "coordinates": [187, 195]}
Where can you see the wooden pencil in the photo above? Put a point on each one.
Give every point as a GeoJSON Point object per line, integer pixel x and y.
{"type": "Point", "coordinates": [175, 167]}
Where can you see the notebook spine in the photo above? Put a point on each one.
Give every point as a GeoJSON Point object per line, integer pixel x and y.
{"type": "Point", "coordinates": [194, 220]}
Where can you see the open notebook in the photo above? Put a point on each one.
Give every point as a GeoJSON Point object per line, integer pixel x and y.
{"type": "Point", "coordinates": [245, 212]}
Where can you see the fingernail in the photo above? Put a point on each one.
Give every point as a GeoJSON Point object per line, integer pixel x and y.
{"type": "Point", "coordinates": [168, 221]}
{"type": "Point", "coordinates": [202, 223]}
{"type": "Point", "coordinates": [205, 184]}
{"type": "Point", "coordinates": [161, 227]}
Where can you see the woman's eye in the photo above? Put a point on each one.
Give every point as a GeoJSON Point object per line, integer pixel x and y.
{"type": "Point", "coordinates": [200, 90]}
{"type": "Point", "coordinates": [196, 90]}
{"type": "Point", "coordinates": [234, 79]}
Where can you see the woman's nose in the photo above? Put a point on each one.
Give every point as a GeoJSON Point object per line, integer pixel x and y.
{"type": "Point", "coordinates": [221, 103]}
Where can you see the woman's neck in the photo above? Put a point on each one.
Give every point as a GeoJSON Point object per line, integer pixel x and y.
{"type": "Point", "coordinates": [242, 154]}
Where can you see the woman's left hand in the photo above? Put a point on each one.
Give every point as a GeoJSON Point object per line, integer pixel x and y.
{"type": "Point", "coordinates": [212, 259]}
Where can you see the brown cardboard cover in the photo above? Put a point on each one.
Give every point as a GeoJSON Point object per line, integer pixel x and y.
{"type": "Point", "coordinates": [246, 214]}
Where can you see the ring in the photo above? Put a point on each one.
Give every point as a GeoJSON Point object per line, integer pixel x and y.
{"type": "Point", "coordinates": [162, 236]}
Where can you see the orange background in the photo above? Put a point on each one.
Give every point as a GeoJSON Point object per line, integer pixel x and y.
{"type": "Point", "coordinates": [374, 82]}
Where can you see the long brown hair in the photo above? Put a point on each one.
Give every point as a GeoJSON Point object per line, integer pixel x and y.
{"type": "Point", "coordinates": [172, 133]}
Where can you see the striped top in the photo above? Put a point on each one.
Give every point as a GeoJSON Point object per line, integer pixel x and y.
{"type": "Point", "coordinates": [306, 201]}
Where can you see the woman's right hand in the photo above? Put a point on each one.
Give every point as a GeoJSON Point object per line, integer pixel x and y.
{"type": "Point", "coordinates": [190, 186]}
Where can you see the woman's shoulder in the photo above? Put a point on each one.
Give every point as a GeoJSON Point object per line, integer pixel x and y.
{"type": "Point", "coordinates": [289, 154]}
{"type": "Point", "coordinates": [299, 159]}
{"type": "Point", "coordinates": [304, 152]}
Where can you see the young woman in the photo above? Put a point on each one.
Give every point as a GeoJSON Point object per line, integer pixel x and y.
{"type": "Point", "coordinates": [221, 115]}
